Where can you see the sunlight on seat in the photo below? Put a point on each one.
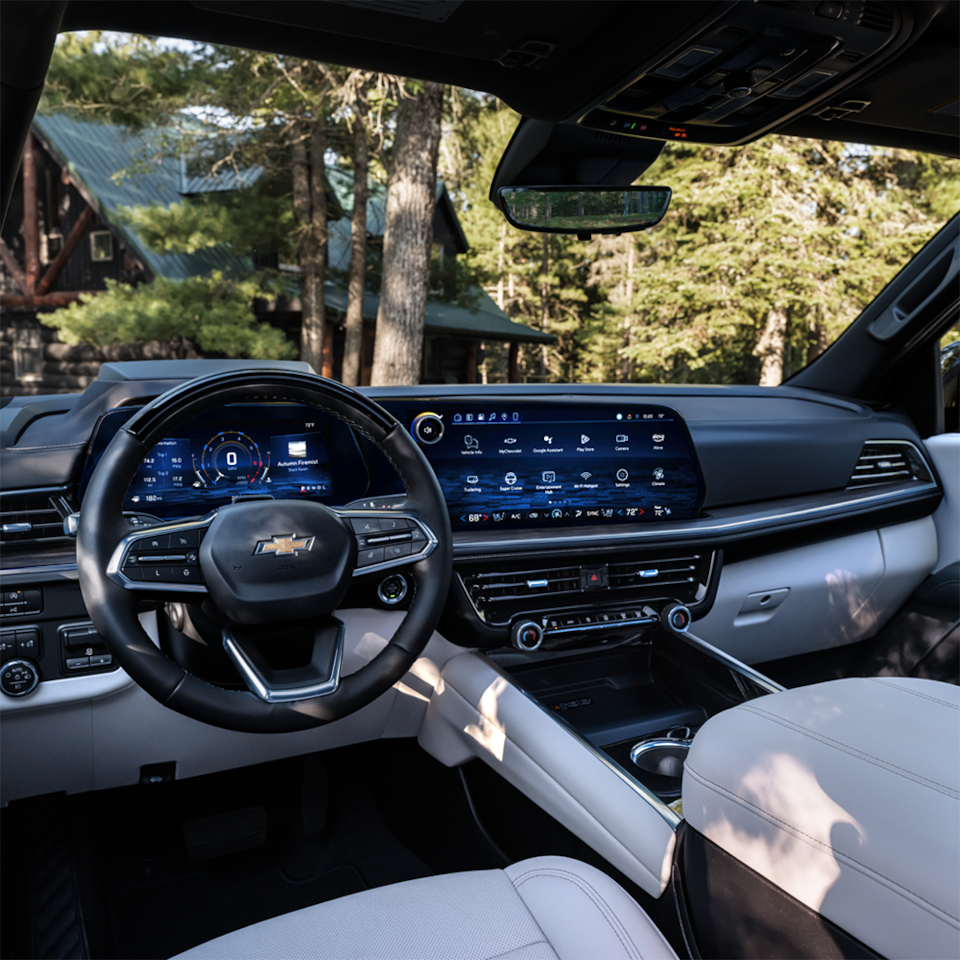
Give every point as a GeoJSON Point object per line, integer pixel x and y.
{"type": "Point", "coordinates": [802, 863]}
{"type": "Point", "coordinates": [486, 731]}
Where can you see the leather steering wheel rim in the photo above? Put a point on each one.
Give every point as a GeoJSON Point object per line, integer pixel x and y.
{"type": "Point", "coordinates": [113, 609]}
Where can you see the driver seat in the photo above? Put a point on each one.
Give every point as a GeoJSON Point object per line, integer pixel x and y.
{"type": "Point", "coordinates": [545, 908]}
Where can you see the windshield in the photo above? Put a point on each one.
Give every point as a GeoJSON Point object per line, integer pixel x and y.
{"type": "Point", "coordinates": [181, 200]}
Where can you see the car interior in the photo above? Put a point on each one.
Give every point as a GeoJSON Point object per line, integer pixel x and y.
{"type": "Point", "coordinates": [292, 669]}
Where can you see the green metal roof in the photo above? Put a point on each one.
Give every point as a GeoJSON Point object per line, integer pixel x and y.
{"type": "Point", "coordinates": [95, 154]}
{"type": "Point", "coordinates": [484, 320]}
{"type": "Point", "coordinates": [98, 153]}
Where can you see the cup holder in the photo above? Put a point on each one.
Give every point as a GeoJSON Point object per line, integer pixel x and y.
{"type": "Point", "coordinates": [661, 761]}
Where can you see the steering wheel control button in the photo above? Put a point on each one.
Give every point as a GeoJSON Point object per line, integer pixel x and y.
{"type": "Point", "coordinates": [396, 550]}
{"type": "Point", "coordinates": [366, 525]}
{"type": "Point", "coordinates": [77, 663]}
{"type": "Point", "coordinates": [184, 539]}
{"type": "Point", "coordinates": [527, 635]}
{"type": "Point", "coordinates": [18, 678]}
{"type": "Point", "coordinates": [392, 590]}
{"type": "Point", "coordinates": [389, 524]}
{"type": "Point", "coordinates": [152, 544]}
{"type": "Point", "coordinates": [366, 558]}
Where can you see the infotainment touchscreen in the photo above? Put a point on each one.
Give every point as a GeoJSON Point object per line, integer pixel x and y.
{"type": "Point", "coordinates": [527, 464]}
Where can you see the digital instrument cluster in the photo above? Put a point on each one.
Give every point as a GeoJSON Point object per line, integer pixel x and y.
{"type": "Point", "coordinates": [278, 449]}
{"type": "Point", "coordinates": [543, 465]}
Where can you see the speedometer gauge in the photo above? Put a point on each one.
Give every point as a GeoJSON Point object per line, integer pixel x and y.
{"type": "Point", "coordinates": [230, 457]}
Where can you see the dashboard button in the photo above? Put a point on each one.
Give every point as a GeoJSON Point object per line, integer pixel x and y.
{"type": "Point", "coordinates": [18, 678]}
{"type": "Point", "coordinates": [13, 596]}
{"type": "Point", "coordinates": [366, 525]}
{"type": "Point", "coordinates": [28, 643]}
{"type": "Point", "coordinates": [78, 663]}
{"type": "Point", "coordinates": [417, 534]}
{"type": "Point", "coordinates": [8, 646]}
{"type": "Point", "coordinates": [367, 557]}
{"type": "Point", "coordinates": [101, 660]}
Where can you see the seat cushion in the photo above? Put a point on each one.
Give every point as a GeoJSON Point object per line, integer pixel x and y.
{"type": "Point", "coordinates": [847, 796]}
{"type": "Point", "coordinates": [539, 909]}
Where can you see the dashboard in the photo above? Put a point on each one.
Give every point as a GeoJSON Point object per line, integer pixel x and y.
{"type": "Point", "coordinates": [577, 512]}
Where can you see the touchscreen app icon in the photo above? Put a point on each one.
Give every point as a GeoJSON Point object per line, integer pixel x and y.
{"type": "Point", "coordinates": [622, 438]}
{"type": "Point", "coordinates": [547, 439]}
{"type": "Point", "coordinates": [549, 476]}
{"type": "Point", "coordinates": [584, 438]}
{"type": "Point", "coordinates": [473, 479]}
{"type": "Point", "coordinates": [622, 474]}
{"type": "Point", "coordinates": [471, 442]}
{"type": "Point", "coordinates": [511, 478]}
{"type": "Point", "coordinates": [659, 437]}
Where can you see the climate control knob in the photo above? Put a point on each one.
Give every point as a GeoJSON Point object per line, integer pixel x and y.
{"type": "Point", "coordinates": [527, 635]}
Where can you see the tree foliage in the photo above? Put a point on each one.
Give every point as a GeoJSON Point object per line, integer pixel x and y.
{"type": "Point", "coordinates": [213, 312]}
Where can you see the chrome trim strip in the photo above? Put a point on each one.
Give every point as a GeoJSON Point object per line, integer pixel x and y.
{"type": "Point", "coordinates": [645, 746]}
{"type": "Point", "coordinates": [765, 683]}
{"type": "Point", "coordinates": [39, 571]}
{"type": "Point", "coordinates": [669, 815]}
{"type": "Point", "coordinates": [258, 685]}
{"type": "Point", "coordinates": [698, 528]}
{"type": "Point", "coordinates": [29, 490]}
{"type": "Point", "coordinates": [428, 548]}
{"type": "Point", "coordinates": [115, 565]}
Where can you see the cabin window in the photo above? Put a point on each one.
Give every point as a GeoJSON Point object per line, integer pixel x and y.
{"type": "Point", "coordinates": [101, 245]}
{"type": "Point", "coordinates": [27, 352]}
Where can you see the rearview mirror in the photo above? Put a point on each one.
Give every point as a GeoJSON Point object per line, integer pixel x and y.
{"type": "Point", "coordinates": [584, 210]}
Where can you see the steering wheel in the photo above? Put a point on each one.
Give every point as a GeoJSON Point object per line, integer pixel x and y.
{"type": "Point", "coordinates": [262, 562]}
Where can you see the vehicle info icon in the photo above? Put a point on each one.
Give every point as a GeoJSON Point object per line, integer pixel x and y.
{"type": "Point", "coordinates": [471, 442]}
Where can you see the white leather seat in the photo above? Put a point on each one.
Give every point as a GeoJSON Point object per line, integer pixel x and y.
{"type": "Point", "coordinates": [539, 909]}
{"type": "Point", "coordinates": [846, 795]}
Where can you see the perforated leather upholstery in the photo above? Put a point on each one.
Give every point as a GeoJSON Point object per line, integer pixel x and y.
{"type": "Point", "coordinates": [540, 909]}
{"type": "Point", "coordinates": [847, 796]}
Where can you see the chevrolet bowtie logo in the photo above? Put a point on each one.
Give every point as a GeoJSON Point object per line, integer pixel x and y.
{"type": "Point", "coordinates": [282, 546]}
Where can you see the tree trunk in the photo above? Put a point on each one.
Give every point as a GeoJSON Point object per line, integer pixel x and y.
{"type": "Point", "coordinates": [310, 206]}
{"type": "Point", "coordinates": [544, 273]}
{"type": "Point", "coordinates": [628, 316]}
{"type": "Point", "coordinates": [769, 348]}
{"type": "Point", "coordinates": [411, 199]}
{"type": "Point", "coordinates": [358, 259]}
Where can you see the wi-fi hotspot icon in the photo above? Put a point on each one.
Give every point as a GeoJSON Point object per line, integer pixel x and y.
{"type": "Point", "coordinates": [586, 475]}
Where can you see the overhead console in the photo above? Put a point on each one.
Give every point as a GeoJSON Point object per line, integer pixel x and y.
{"type": "Point", "coordinates": [753, 68]}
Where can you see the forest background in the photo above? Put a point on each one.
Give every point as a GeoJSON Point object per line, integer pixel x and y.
{"type": "Point", "coordinates": [768, 251]}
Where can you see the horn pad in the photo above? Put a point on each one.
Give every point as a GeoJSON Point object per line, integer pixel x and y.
{"type": "Point", "coordinates": [270, 560]}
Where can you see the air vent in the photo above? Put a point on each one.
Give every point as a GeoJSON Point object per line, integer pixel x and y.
{"type": "Point", "coordinates": [888, 461]}
{"type": "Point", "coordinates": [876, 16]}
{"type": "Point", "coordinates": [665, 571]}
{"type": "Point", "coordinates": [31, 530]}
{"type": "Point", "coordinates": [512, 589]}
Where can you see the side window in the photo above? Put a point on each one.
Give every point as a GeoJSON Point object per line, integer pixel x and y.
{"type": "Point", "coordinates": [950, 371]}
{"type": "Point", "coordinates": [27, 352]}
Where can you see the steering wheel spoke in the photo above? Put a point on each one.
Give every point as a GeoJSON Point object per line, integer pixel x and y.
{"type": "Point", "coordinates": [388, 539]}
{"type": "Point", "coordinates": [161, 559]}
{"type": "Point", "coordinates": [319, 678]}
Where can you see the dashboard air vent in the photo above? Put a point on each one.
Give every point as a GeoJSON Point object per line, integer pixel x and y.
{"type": "Point", "coordinates": [888, 461]}
{"type": "Point", "coordinates": [876, 16]}
{"type": "Point", "coordinates": [31, 530]}
{"type": "Point", "coordinates": [512, 588]}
